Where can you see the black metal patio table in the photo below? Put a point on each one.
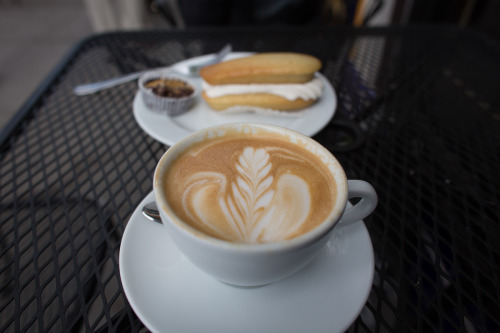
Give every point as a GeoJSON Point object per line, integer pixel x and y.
{"type": "Point", "coordinates": [422, 106]}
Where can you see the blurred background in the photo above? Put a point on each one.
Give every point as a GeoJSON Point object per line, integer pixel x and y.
{"type": "Point", "coordinates": [36, 34]}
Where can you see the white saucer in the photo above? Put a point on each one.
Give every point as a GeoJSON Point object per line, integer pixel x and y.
{"type": "Point", "coordinates": [169, 130]}
{"type": "Point", "coordinates": [169, 294]}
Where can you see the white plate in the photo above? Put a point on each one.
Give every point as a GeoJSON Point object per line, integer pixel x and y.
{"type": "Point", "coordinates": [169, 130]}
{"type": "Point", "coordinates": [168, 293]}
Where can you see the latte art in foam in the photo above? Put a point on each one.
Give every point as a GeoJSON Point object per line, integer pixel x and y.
{"type": "Point", "coordinates": [252, 209]}
{"type": "Point", "coordinates": [250, 191]}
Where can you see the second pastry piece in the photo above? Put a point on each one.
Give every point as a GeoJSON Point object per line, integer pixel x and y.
{"type": "Point", "coordinates": [277, 81]}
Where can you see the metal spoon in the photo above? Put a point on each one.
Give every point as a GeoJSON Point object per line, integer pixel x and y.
{"type": "Point", "coordinates": [90, 88]}
{"type": "Point", "coordinates": [150, 210]}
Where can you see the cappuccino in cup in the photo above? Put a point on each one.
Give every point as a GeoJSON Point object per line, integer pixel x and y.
{"type": "Point", "coordinates": [251, 204]}
{"type": "Point", "coordinates": [251, 188]}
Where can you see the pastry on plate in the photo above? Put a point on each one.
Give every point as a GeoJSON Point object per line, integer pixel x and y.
{"type": "Point", "coordinates": [282, 81]}
{"type": "Point", "coordinates": [165, 93]}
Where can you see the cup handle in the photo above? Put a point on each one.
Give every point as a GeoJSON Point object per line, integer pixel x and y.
{"type": "Point", "coordinates": [368, 202]}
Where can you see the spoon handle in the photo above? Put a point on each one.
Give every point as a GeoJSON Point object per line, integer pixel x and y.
{"type": "Point", "coordinates": [91, 88]}
{"type": "Point", "coordinates": [150, 210]}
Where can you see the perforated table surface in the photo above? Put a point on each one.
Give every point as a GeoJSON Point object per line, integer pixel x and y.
{"type": "Point", "coordinates": [425, 106]}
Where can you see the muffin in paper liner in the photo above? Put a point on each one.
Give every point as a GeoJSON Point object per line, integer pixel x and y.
{"type": "Point", "coordinates": [170, 106]}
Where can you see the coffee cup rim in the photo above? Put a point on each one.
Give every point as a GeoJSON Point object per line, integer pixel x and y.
{"type": "Point", "coordinates": [309, 237]}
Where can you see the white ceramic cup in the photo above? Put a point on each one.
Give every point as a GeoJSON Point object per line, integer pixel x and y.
{"type": "Point", "coordinates": [260, 264]}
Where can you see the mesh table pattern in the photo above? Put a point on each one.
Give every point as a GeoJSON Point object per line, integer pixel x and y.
{"type": "Point", "coordinates": [425, 100]}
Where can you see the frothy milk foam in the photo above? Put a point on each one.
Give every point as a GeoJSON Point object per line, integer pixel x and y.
{"type": "Point", "coordinates": [250, 188]}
